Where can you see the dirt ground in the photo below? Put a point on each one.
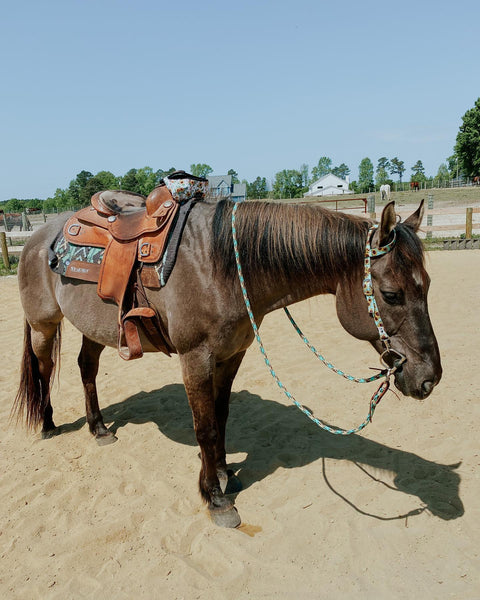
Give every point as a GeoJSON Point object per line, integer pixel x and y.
{"type": "Point", "coordinates": [391, 513]}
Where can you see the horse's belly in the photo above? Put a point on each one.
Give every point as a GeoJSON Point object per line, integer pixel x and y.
{"type": "Point", "coordinates": [97, 319]}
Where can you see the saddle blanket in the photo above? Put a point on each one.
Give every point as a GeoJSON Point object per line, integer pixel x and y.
{"type": "Point", "coordinates": [84, 262]}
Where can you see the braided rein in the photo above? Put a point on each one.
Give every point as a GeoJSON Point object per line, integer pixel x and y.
{"type": "Point", "coordinates": [372, 309]}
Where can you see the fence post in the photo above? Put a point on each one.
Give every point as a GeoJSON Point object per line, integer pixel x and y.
{"type": "Point", "coordinates": [429, 217]}
{"type": "Point", "coordinates": [468, 224]}
{"type": "Point", "coordinates": [371, 206]}
{"type": "Point", "coordinates": [5, 221]}
{"type": "Point", "coordinates": [3, 242]}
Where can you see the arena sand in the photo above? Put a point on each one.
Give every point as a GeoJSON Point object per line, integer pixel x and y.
{"type": "Point", "coordinates": [391, 513]}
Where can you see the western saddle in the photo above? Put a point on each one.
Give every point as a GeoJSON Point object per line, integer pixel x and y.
{"type": "Point", "coordinates": [134, 231]}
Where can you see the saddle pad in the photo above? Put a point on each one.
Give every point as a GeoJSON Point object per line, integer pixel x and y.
{"type": "Point", "coordinates": [79, 262]}
{"type": "Point", "coordinates": [84, 262]}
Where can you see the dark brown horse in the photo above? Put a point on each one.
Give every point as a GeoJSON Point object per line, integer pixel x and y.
{"type": "Point", "coordinates": [288, 253]}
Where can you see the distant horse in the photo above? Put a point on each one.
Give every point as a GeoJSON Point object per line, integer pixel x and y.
{"type": "Point", "coordinates": [385, 192]}
{"type": "Point", "coordinates": [415, 186]}
{"type": "Point", "coordinates": [288, 253]}
{"type": "Point", "coordinates": [476, 180]}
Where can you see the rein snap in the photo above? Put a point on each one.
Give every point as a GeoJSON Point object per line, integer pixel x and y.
{"type": "Point", "coordinates": [386, 373]}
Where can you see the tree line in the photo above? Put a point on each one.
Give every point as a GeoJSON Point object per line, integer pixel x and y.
{"type": "Point", "coordinates": [287, 183]}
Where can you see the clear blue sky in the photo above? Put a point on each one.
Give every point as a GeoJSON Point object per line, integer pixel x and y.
{"type": "Point", "coordinates": [252, 85]}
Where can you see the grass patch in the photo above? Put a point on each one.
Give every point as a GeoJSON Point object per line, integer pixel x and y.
{"type": "Point", "coordinates": [13, 266]}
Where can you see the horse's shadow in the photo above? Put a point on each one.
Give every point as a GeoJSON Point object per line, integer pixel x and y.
{"type": "Point", "coordinates": [273, 435]}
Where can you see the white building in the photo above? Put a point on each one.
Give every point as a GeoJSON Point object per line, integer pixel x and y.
{"type": "Point", "coordinates": [329, 185]}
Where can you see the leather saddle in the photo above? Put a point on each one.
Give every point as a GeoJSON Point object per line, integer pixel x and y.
{"type": "Point", "coordinates": [133, 230]}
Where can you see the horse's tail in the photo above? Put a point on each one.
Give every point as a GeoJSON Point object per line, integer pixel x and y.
{"type": "Point", "coordinates": [32, 399]}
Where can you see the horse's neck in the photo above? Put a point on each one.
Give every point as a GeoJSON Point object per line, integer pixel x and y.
{"type": "Point", "coordinates": [281, 294]}
{"type": "Point", "coordinates": [273, 290]}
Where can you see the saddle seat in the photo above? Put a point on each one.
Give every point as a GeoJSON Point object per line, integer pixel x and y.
{"type": "Point", "coordinates": [115, 202]}
{"type": "Point", "coordinates": [133, 230]}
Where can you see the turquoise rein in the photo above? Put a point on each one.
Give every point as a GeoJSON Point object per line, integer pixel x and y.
{"type": "Point", "coordinates": [372, 309]}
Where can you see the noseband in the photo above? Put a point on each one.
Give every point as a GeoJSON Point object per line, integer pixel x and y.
{"type": "Point", "coordinates": [396, 357]}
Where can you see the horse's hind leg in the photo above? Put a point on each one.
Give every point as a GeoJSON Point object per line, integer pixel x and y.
{"type": "Point", "coordinates": [88, 360]}
{"type": "Point", "coordinates": [41, 352]}
{"type": "Point", "coordinates": [43, 344]}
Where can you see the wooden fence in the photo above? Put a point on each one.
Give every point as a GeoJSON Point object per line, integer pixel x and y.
{"type": "Point", "coordinates": [464, 222]}
{"type": "Point", "coordinates": [445, 220]}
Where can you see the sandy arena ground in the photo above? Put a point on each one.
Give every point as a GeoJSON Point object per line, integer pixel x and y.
{"type": "Point", "coordinates": [393, 513]}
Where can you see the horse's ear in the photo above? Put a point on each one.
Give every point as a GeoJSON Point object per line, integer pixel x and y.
{"type": "Point", "coordinates": [415, 220]}
{"type": "Point", "coordinates": [387, 223]}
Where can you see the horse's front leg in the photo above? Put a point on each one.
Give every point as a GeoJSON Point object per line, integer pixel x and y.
{"type": "Point", "coordinates": [225, 373]}
{"type": "Point", "coordinates": [198, 369]}
{"type": "Point", "coordinates": [88, 360]}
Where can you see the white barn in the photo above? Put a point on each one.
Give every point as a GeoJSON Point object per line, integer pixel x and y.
{"type": "Point", "coordinates": [329, 185]}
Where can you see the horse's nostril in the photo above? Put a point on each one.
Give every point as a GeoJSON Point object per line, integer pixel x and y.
{"type": "Point", "coordinates": [427, 387]}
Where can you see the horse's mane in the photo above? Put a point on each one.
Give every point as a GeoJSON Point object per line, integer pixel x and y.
{"type": "Point", "coordinates": [288, 241]}
{"type": "Point", "coordinates": [295, 242]}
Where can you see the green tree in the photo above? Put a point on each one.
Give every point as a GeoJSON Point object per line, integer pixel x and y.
{"type": "Point", "coordinates": [129, 181]}
{"type": "Point", "coordinates": [49, 205]}
{"type": "Point", "coordinates": [418, 171]}
{"type": "Point", "coordinates": [200, 170]}
{"type": "Point", "coordinates": [365, 176]}
{"type": "Point", "coordinates": [323, 167]}
{"type": "Point", "coordinates": [442, 175]}
{"type": "Point", "coordinates": [234, 175]}
{"type": "Point", "coordinates": [288, 184]}
{"type": "Point", "coordinates": [160, 174]}
{"type": "Point", "coordinates": [341, 171]}
{"type": "Point", "coordinates": [14, 205]}
{"type": "Point", "coordinates": [383, 167]}
{"type": "Point", "coordinates": [146, 179]}
{"type": "Point", "coordinates": [103, 180]}
{"type": "Point", "coordinates": [257, 189]}
{"type": "Point", "coordinates": [61, 201]}
{"type": "Point", "coordinates": [77, 186]}
{"type": "Point", "coordinates": [381, 176]}
{"type": "Point", "coordinates": [383, 163]}
{"type": "Point", "coordinates": [467, 146]}
{"type": "Point", "coordinates": [453, 166]}
{"type": "Point", "coordinates": [35, 203]}
{"type": "Point", "coordinates": [397, 166]}
{"type": "Point", "coordinates": [304, 173]}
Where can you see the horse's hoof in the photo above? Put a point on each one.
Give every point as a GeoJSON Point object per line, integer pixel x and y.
{"type": "Point", "coordinates": [229, 518]}
{"type": "Point", "coordinates": [105, 438]}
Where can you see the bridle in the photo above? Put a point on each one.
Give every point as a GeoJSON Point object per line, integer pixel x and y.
{"type": "Point", "coordinates": [372, 303]}
{"type": "Point", "coordinates": [396, 358]}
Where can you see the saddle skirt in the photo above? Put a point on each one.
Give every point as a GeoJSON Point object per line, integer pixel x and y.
{"type": "Point", "coordinates": [127, 234]}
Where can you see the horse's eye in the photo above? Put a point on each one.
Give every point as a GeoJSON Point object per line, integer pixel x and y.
{"type": "Point", "coordinates": [392, 297]}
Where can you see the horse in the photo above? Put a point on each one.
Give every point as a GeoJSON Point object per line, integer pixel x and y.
{"type": "Point", "coordinates": [288, 253]}
{"type": "Point", "coordinates": [414, 185]}
{"type": "Point", "coordinates": [476, 180]}
{"type": "Point", "coordinates": [385, 192]}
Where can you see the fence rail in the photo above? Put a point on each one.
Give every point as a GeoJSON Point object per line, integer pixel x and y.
{"type": "Point", "coordinates": [465, 225]}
